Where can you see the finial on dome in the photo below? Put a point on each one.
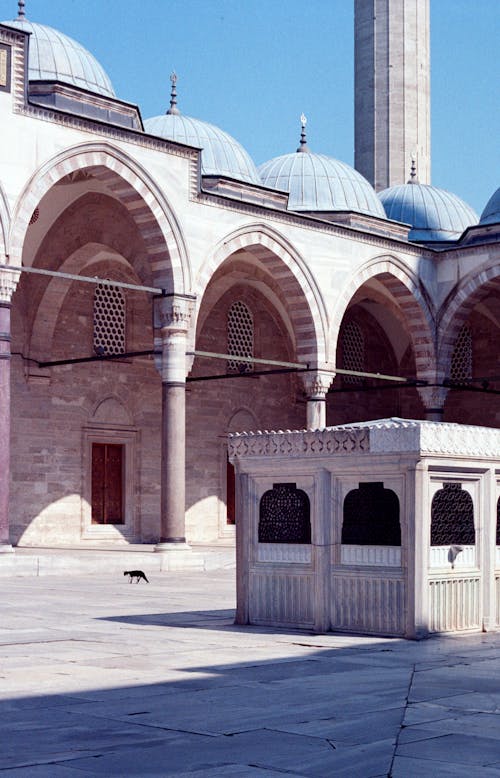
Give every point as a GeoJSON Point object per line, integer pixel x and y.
{"type": "Point", "coordinates": [303, 141]}
{"type": "Point", "coordinates": [20, 10]}
{"type": "Point", "coordinates": [173, 96]}
{"type": "Point", "coordinates": [413, 172]}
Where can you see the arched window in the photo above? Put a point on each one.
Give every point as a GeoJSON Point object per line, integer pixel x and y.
{"type": "Point", "coordinates": [461, 359]}
{"type": "Point", "coordinates": [109, 320]}
{"type": "Point", "coordinates": [452, 517]}
{"type": "Point", "coordinates": [284, 515]}
{"type": "Point", "coordinates": [239, 337]}
{"type": "Point", "coordinates": [353, 351]}
{"type": "Point", "coordinates": [371, 516]}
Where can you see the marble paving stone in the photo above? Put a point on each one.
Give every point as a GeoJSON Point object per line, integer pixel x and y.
{"type": "Point", "coordinates": [62, 735]}
{"type": "Point", "coordinates": [352, 730]}
{"type": "Point", "coordinates": [102, 678]}
{"type": "Point", "coordinates": [409, 767]}
{"type": "Point", "coordinates": [484, 724]}
{"type": "Point", "coordinates": [463, 749]}
{"type": "Point", "coordinates": [262, 749]}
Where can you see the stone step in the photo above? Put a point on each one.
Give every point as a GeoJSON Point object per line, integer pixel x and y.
{"type": "Point", "coordinates": [29, 561]}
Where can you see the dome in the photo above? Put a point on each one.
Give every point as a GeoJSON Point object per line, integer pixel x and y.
{"type": "Point", "coordinates": [491, 213]}
{"type": "Point", "coordinates": [434, 214]}
{"type": "Point", "coordinates": [221, 154]}
{"type": "Point", "coordinates": [316, 182]}
{"type": "Point", "coordinates": [56, 57]}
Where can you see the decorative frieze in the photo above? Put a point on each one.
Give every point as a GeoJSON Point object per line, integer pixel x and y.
{"type": "Point", "coordinates": [297, 443]}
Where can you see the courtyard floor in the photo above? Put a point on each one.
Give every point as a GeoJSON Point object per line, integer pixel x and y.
{"type": "Point", "coordinates": [102, 678]}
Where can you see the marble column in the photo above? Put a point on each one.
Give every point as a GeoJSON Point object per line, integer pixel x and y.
{"type": "Point", "coordinates": [433, 398]}
{"type": "Point", "coordinates": [317, 383]}
{"type": "Point", "coordinates": [8, 283]}
{"type": "Point", "coordinates": [172, 317]}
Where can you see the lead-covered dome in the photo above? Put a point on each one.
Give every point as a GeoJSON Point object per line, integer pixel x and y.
{"type": "Point", "coordinates": [434, 214]}
{"type": "Point", "coordinates": [491, 213]}
{"type": "Point", "coordinates": [221, 154]}
{"type": "Point", "coordinates": [316, 182]}
{"type": "Point", "coordinates": [57, 57]}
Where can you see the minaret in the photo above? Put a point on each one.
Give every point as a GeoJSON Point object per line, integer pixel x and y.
{"type": "Point", "coordinates": [392, 90]}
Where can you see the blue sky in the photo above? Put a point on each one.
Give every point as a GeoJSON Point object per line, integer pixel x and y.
{"type": "Point", "coordinates": [253, 66]}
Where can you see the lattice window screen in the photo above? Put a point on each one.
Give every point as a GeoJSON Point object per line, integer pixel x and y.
{"type": "Point", "coordinates": [461, 360]}
{"type": "Point", "coordinates": [284, 515]}
{"type": "Point", "coordinates": [353, 351]}
{"type": "Point", "coordinates": [109, 320]}
{"type": "Point", "coordinates": [239, 337]}
{"type": "Point", "coordinates": [452, 517]}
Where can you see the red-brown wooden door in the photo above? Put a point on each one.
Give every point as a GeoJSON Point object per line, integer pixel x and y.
{"type": "Point", "coordinates": [107, 483]}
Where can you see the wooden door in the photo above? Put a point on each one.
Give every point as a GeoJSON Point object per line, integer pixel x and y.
{"type": "Point", "coordinates": [107, 483]}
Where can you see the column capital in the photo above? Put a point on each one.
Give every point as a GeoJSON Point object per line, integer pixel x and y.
{"type": "Point", "coordinates": [433, 398]}
{"type": "Point", "coordinates": [317, 383]}
{"type": "Point", "coordinates": [9, 279]}
{"type": "Point", "coordinates": [173, 312]}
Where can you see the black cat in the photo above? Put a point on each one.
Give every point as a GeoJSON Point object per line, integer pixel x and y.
{"type": "Point", "coordinates": [137, 574]}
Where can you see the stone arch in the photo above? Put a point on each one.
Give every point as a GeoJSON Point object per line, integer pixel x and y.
{"type": "Point", "coordinates": [55, 292]}
{"type": "Point", "coordinates": [133, 187]}
{"type": "Point", "coordinates": [111, 411]}
{"type": "Point", "coordinates": [457, 309]}
{"type": "Point", "coordinates": [4, 225]}
{"type": "Point", "coordinates": [239, 419]}
{"type": "Point", "coordinates": [306, 306]}
{"type": "Point", "coordinates": [406, 290]}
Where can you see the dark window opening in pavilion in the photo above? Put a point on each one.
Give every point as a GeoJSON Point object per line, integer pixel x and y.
{"type": "Point", "coordinates": [284, 515]}
{"type": "Point", "coordinates": [498, 522]}
{"type": "Point", "coordinates": [371, 516]}
{"type": "Point", "coordinates": [452, 517]}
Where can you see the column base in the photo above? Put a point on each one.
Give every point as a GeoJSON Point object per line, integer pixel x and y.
{"type": "Point", "coordinates": [6, 548]}
{"type": "Point", "coordinates": [166, 546]}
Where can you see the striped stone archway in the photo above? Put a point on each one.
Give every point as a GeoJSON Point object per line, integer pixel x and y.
{"type": "Point", "coordinates": [458, 308]}
{"type": "Point", "coordinates": [131, 186]}
{"type": "Point", "coordinates": [4, 225]}
{"type": "Point", "coordinates": [408, 295]}
{"type": "Point", "coordinates": [304, 302]}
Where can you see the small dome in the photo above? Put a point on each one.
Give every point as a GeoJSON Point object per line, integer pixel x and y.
{"type": "Point", "coordinates": [56, 57]}
{"type": "Point", "coordinates": [316, 182]}
{"type": "Point", "coordinates": [221, 154]}
{"type": "Point", "coordinates": [491, 213]}
{"type": "Point", "coordinates": [434, 214]}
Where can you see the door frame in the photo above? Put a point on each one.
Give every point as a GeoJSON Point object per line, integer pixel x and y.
{"type": "Point", "coordinates": [129, 530]}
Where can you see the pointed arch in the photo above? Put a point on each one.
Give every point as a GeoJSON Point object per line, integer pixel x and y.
{"type": "Point", "coordinates": [306, 306]}
{"type": "Point", "coordinates": [458, 307]}
{"type": "Point", "coordinates": [55, 292]}
{"type": "Point", "coordinates": [405, 288]}
{"type": "Point", "coordinates": [4, 225]}
{"type": "Point", "coordinates": [133, 187]}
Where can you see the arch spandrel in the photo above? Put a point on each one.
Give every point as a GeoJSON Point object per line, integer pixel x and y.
{"type": "Point", "coordinates": [133, 187]}
{"type": "Point", "coordinates": [307, 310]}
{"type": "Point", "coordinates": [405, 289]}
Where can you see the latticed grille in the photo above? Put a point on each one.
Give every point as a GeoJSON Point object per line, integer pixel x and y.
{"type": "Point", "coordinates": [109, 320]}
{"type": "Point", "coordinates": [353, 351]}
{"type": "Point", "coordinates": [461, 359]}
{"type": "Point", "coordinates": [452, 517]}
{"type": "Point", "coordinates": [371, 516]}
{"type": "Point", "coordinates": [239, 337]}
{"type": "Point", "coordinates": [284, 515]}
